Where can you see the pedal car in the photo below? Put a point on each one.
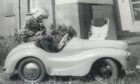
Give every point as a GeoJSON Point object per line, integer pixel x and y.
{"type": "Point", "coordinates": [79, 57]}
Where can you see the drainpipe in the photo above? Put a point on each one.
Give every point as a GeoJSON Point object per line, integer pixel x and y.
{"type": "Point", "coordinates": [19, 7]}
{"type": "Point", "coordinates": [53, 12]}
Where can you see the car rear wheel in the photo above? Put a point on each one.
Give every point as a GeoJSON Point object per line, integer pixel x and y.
{"type": "Point", "coordinates": [31, 69]}
{"type": "Point", "coordinates": [106, 69]}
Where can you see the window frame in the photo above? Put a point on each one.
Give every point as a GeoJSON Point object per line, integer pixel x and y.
{"type": "Point", "coordinates": [132, 10]}
{"type": "Point", "coordinates": [31, 3]}
{"type": "Point", "coordinates": [28, 8]}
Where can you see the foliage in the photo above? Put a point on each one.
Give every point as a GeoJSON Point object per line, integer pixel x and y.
{"type": "Point", "coordinates": [3, 51]}
{"type": "Point", "coordinates": [6, 44]}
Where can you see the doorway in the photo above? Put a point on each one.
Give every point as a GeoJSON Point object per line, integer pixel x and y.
{"type": "Point", "coordinates": [106, 11]}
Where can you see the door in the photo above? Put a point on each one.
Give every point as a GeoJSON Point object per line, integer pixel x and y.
{"type": "Point", "coordinates": [106, 11]}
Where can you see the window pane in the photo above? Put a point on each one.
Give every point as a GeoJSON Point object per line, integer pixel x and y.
{"type": "Point", "coordinates": [136, 10]}
{"type": "Point", "coordinates": [136, 6]}
{"type": "Point", "coordinates": [32, 5]}
{"type": "Point", "coordinates": [137, 15]}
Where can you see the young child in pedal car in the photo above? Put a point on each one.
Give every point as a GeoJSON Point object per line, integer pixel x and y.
{"type": "Point", "coordinates": [51, 42]}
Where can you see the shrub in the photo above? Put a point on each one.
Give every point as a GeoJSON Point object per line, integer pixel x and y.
{"type": "Point", "coordinates": [3, 51]}
{"type": "Point", "coordinates": [5, 46]}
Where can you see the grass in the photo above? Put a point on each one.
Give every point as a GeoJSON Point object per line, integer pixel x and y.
{"type": "Point", "coordinates": [134, 80]}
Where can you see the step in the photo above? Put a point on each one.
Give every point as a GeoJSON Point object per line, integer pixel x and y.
{"type": "Point", "coordinates": [131, 40]}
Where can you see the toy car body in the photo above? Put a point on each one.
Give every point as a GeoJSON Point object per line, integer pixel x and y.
{"type": "Point", "coordinates": [78, 58]}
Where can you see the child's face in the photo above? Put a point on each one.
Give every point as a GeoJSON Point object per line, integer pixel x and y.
{"type": "Point", "coordinates": [40, 18]}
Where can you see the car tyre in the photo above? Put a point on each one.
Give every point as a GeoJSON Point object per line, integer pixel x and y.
{"type": "Point", "coordinates": [31, 69]}
{"type": "Point", "coordinates": [106, 69]}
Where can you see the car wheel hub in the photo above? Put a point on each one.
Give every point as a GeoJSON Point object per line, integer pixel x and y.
{"type": "Point", "coordinates": [106, 71]}
{"type": "Point", "coordinates": [31, 71]}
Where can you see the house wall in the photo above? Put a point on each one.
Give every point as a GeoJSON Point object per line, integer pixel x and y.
{"type": "Point", "coordinates": [68, 14]}
{"type": "Point", "coordinates": [73, 14]}
{"type": "Point", "coordinates": [24, 11]}
{"type": "Point", "coordinates": [78, 13]}
{"type": "Point", "coordinates": [126, 17]}
{"type": "Point", "coordinates": [78, 16]}
{"type": "Point", "coordinates": [48, 5]}
{"type": "Point", "coordinates": [7, 23]}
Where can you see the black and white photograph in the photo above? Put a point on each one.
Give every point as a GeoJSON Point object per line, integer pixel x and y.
{"type": "Point", "coordinates": [69, 41]}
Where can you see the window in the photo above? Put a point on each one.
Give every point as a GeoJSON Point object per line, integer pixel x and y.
{"type": "Point", "coordinates": [136, 9]}
{"type": "Point", "coordinates": [32, 5]}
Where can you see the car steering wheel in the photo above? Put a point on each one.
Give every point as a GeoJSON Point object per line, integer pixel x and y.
{"type": "Point", "coordinates": [63, 41]}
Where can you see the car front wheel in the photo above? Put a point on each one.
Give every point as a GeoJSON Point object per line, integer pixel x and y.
{"type": "Point", "coordinates": [31, 69]}
{"type": "Point", "coordinates": [106, 69]}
